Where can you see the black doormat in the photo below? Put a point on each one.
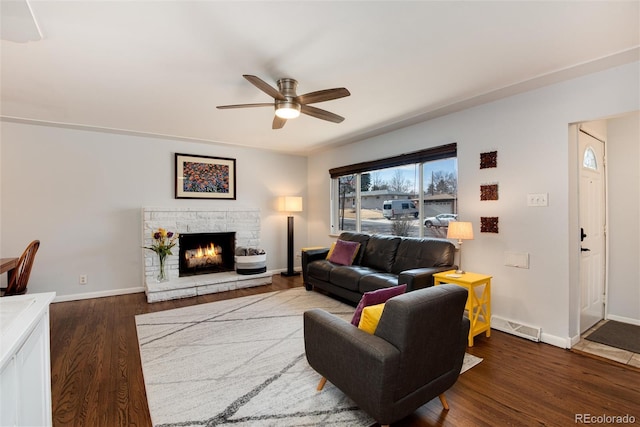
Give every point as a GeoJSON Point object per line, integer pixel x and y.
{"type": "Point", "coordinates": [617, 334]}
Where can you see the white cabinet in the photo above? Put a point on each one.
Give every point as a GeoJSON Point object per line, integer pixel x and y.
{"type": "Point", "coordinates": [25, 369]}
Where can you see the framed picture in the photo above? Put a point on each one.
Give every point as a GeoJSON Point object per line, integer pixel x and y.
{"type": "Point", "coordinates": [203, 177]}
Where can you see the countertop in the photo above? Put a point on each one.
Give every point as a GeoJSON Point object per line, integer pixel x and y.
{"type": "Point", "coordinates": [19, 315]}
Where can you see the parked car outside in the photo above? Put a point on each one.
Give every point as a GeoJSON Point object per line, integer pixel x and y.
{"type": "Point", "coordinates": [441, 220]}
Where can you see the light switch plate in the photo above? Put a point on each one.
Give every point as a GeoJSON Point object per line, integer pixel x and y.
{"type": "Point", "coordinates": [538, 199]}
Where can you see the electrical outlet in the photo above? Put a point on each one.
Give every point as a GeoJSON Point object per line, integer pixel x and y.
{"type": "Point", "coordinates": [83, 279]}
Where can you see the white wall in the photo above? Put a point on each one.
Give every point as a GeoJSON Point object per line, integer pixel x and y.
{"type": "Point", "coordinates": [81, 194]}
{"type": "Point", "coordinates": [531, 134]}
{"type": "Point", "coordinates": [623, 170]}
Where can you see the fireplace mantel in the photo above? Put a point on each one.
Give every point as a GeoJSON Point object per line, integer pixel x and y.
{"type": "Point", "coordinates": [244, 222]}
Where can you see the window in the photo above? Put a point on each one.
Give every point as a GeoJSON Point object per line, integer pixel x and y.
{"type": "Point", "coordinates": [589, 159]}
{"type": "Point", "coordinates": [396, 195]}
{"type": "Point", "coordinates": [347, 202]}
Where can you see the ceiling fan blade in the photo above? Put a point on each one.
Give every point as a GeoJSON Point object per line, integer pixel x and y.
{"type": "Point", "coordinates": [261, 104]}
{"type": "Point", "coordinates": [278, 122]}
{"type": "Point", "coordinates": [322, 95]}
{"type": "Point", "coordinates": [264, 86]}
{"type": "Point", "coordinates": [321, 114]}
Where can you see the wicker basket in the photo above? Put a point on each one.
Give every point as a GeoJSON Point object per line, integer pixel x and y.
{"type": "Point", "coordinates": [251, 264]}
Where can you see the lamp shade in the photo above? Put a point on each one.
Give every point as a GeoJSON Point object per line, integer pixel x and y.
{"type": "Point", "coordinates": [291, 204]}
{"type": "Point", "coordinates": [460, 230]}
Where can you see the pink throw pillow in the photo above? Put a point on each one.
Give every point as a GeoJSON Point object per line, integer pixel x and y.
{"type": "Point", "coordinates": [344, 252]}
{"type": "Point", "coordinates": [376, 297]}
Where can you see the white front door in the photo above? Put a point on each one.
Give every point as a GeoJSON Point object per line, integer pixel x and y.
{"type": "Point", "coordinates": [591, 193]}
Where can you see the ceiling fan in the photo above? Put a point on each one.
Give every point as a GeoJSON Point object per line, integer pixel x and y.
{"type": "Point", "coordinates": [289, 105]}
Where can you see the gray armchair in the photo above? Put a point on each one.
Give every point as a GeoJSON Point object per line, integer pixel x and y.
{"type": "Point", "coordinates": [415, 354]}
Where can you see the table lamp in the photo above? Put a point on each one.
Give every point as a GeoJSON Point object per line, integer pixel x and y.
{"type": "Point", "coordinates": [290, 204]}
{"type": "Point", "coordinates": [461, 231]}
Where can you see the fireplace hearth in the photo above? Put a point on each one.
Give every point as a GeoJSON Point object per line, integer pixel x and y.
{"type": "Point", "coordinates": [243, 222]}
{"type": "Point", "coordinates": [206, 253]}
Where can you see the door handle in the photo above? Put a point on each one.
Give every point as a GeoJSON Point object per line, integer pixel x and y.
{"type": "Point", "coordinates": [582, 234]}
{"type": "Point", "coordinates": [584, 249]}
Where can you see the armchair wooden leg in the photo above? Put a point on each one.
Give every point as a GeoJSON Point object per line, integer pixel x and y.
{"type": "Point", "coordinates": [321, 384]}
{"type": "Point", "coordinates": [443, 400]}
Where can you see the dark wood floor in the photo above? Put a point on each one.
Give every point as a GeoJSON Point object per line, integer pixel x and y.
{"type": "Point", "coordinates": [97, 378]}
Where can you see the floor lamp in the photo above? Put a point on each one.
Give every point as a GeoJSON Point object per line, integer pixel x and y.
{"type": "Point", "coordinates": [461, 231]}
{"type": "Point", "coordinates": [290, 204]}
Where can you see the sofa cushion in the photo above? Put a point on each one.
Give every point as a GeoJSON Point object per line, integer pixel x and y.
{"type": "Point", "coordinates": [344, 252]}
{"type": "Point", "coordinates": [372, 282]}
{"type": "Point", "coordinates": [348, 277]}
{"type": "Point", "coordinates": [420, 253]}
{"type": "Point", "coordinates": [320, 269]}
{"type": "Point", "coordinates": [376, 297]}
{"type": "Point", "coordinates": [356, 237]}
{"type": "Point", "coordinates": [380, 252]}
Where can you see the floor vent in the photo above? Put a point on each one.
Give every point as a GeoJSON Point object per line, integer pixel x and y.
{"type": "Point", "coordinates": [525, 331]}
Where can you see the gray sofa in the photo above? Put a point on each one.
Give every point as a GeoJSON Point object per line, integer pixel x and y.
{"type": "Point", "coordinates": [381, 261]}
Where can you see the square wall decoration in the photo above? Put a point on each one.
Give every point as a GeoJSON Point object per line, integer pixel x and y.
{"type": "Point", "coordinates": [489, 192]}
{"type": "Point", "coordinates": [204, 177]}
{"type": "Point", "coordinates": [489, 224]}
{"type": "Point", "coordinates": [489, 160]}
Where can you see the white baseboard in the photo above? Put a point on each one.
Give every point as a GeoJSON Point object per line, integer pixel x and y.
{"type": "Point", "coordinates": [99, 294]}
{"type": "Point", "coordinates": [556, 341]}
{"type": "Point", "coordinates": [114, 292]}
{"type": "Point", "coordinates": [574, 340]}
{"type": "Point", "coordinates": [623, 319]}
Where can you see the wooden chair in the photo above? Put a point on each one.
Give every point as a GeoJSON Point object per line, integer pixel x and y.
{"type": "Point", "coordinates": [19, 277]}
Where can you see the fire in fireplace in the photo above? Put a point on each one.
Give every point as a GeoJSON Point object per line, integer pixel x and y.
{"type": "Point", "coordinates": [204, 253]}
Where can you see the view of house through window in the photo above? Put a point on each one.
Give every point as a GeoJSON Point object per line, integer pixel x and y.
{"type": "Point", "coordinates": [418, 199]}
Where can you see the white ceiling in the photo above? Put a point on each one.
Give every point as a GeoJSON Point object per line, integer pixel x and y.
{"type": "Point", "coordinates": [162, 67]}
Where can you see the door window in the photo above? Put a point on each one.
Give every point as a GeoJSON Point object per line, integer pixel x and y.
{"type": "Point", "coordinates": [589, 159]}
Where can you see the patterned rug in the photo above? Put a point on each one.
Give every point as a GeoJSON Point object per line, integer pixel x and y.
{"type": "Point", "coordinates": [241, 362]}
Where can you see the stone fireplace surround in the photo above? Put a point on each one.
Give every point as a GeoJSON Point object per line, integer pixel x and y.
{"type": "Point", "coordinates": [244, 222]}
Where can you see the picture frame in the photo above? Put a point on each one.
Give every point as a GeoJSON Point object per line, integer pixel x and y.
{"type": "Point", "coordinates": [205, 177]}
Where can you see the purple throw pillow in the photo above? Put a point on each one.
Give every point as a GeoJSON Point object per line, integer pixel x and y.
{"type": "Point", "coordinates": [344, 252]}
{"type": "Point", "coordinates": [376, 297]}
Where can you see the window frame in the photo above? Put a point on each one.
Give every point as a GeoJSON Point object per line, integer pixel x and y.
{"type": "Point", "coordinates": [418, 158]}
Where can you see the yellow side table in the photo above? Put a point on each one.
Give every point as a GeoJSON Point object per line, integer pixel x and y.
{"type": "Point", "coordinates": [478, 302]}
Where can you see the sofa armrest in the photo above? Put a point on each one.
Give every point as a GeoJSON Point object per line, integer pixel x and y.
{"type": "Point", "coordinates": [363, 366]}
{"type": "Point", "coordinates": [418, 278]}
{"type": "Point", "coordinates": [309, 255]}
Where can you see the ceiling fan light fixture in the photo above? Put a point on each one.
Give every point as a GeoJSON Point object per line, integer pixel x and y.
{"type": "Point", "coordinates": [287, 109]}
{"type": "Point", "coordinates": [288, 105]}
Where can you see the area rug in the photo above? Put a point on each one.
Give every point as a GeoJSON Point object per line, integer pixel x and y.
{"type": "Point", "coordinates": [241, 362]}
{"type": "Point", "coordinates": [618, 335]}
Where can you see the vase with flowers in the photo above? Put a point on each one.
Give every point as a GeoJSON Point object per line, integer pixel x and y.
{"type": "Point", "coordinates": [163, 241]}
